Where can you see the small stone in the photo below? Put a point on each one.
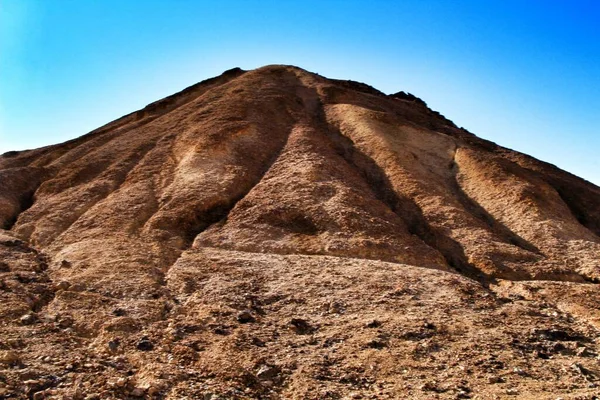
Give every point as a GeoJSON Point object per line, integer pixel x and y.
{"type": "Point", "coordinates": [121, 382]}
{"type": "Point", "coordinates": [428, 325]}
{"type": "Point", "coordinates": [376, 344]}
{"type": "Point", "coordinates": [9, 358]}
{"type": "Point", "coordinates": [77, 287]}
{"type": "Point", "coordinates": [65, 264]}
{"type": "Point", "coordinates": [301, 326]}
{"type": "Point", "coordinates": [267, 373]}
{"type": "Point", "coordinates": [28, 319]}
{"type": "Point", "coordinates": [119, 312]}
{"type": "Point", "coordinates": [336, 307]}
{"type": "Point", "coordinates": [220, 331]}
{"type": "Point", "coordinates": [582, 352]}
{"type": "Point", "coordinates": [113, 345]}
{"type": "Point", "coordinates": [64, 320]}
{"type": "Point", "coordinates": [145, 344]}
{"type": "Point", "coordinates": [373, 324]}
{"type": "Point", "coordinates": [245, 317]}
{"type": "Point", "coordinates": [39, 395]}
{"type": "Point", "coordinates": [512, 391]}
{"type": "Point", "coordinates": [62, 285]}
{"type": "Point", "coordinates": [138, 392]}
{"type": "Point", "coordinates": [154, 390]}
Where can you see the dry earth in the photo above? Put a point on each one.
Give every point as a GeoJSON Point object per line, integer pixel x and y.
{"type": "Point", "coordinates": [273, 234]}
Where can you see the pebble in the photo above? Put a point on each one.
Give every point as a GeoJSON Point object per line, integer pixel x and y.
{"type": "Point", "coordinates": [429, 325]}
{"type": "Point", "coordinates": [121, 382]}
{"type": "Point", "coordinates": [39, 395]}
{"type": "Point", "coordinates": [9, 357]}
{"type": "Point", "coordinates": [153, 390]}
{"type": "Point", "coordinates": [267, 373]}
{"type": "Point", "coordinates": [301, 326]}
{"type": "Point", "coordinates": [138, 392]}
{"type": "Point", "coordinates": [119, 312]}
{"type": "Point", "coordinates": [113, 345]}
{"type": "Point", "coordinates": [373, 324]}
{"type": "Point", "coordinates": [145, 344]}
{"type": "Point", "coordinates": [245, 317]}
{"type": "Point", "coordinates": [62, 285]}
{"type": "Point", "coordinates": [28, 319]}
{"type": "Point", "coordinates": [582, 352]}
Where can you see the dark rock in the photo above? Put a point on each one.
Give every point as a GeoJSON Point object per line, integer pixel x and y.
{"type": "Point", "coordinates": [4, 267]}
{"type": "Point", "coordinates": [119, 312]}
{"type": "Point", "coordinates": [62, 285]}
{"type": "Point", "coordinates": [429, 325]}
{"type": "Point", "coordinates": [245, 317]}
{"type": "Point", "coordinates": [559, 335]}
{"type": "Point", "coordinates": [267, 372]}
{"type": "Point", "coordinates": [28, 319]}
{"type": "Point", "coordinates": [377, 344]}
{"type": "Point", "coordinates": [145, 344]}
{"type": "Point", "coordinates": [409, 97]}
{"type": "Point", "coordinates": [64, 321]}
{"type": "Point", "coordinates": [373, 324]}
{"type": "Point", "coordinates": [219, 330]}
{"type": "Point", "coordinates": [301, 326]}
{"type": "Point", "coordinates": [113, 345]}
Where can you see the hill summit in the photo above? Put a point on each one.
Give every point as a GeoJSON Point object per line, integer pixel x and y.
{"type": "Point", "coordinates": [276, 234]}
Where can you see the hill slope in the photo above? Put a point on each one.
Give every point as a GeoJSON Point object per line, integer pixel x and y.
{"type": "Point", "coordinates": [276, 234]}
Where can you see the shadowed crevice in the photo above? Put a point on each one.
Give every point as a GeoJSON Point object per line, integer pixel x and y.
{"type": "Point", "coordinates": [570, 198]}
{"type": "Point", "coordinates": [406, 208]}
{"type": "Point", "coordinates": [131, 163]}
{"type": "Point", "coordinates": [18, 188]}
{"type": "Point", "coordinates": [26, 200]}
{"type": "Point", "coordinates": [477, 211]}
{"type": "Point", "coordinates": [219, 212]}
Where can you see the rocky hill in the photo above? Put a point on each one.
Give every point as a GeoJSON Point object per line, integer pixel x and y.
{"type": "Point", "coordinates": [275, 234]}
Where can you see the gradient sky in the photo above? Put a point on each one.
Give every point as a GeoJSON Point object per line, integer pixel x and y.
{"type": "Point", "coordinates": [524, 74]}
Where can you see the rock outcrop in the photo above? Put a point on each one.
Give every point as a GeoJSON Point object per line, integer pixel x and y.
{"type": "Point", "coordinates": [276, 234]}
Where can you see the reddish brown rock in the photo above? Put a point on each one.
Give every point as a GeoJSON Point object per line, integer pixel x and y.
{"type": "Point", "coordinates": [276, 234]}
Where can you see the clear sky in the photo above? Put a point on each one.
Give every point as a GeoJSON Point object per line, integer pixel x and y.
{"type": "Point", "coordinates": [525, 74]}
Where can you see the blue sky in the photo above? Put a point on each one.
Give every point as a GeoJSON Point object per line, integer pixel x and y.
{"type": "Point", "coordinates": [525, 74]}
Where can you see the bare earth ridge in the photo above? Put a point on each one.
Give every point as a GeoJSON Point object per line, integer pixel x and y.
{"type": "Point", "coordinates": [275, 234]}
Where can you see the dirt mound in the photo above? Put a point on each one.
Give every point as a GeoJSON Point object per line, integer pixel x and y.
{"type": "Point", "coordinates": [276, 234]}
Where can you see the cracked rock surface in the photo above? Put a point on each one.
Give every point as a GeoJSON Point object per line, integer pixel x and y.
{"type": "Point", "coordinates": [276, 234]}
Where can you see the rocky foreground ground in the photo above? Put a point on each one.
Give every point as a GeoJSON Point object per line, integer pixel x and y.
{"type": "Point", "coordinates": [273, 234]}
